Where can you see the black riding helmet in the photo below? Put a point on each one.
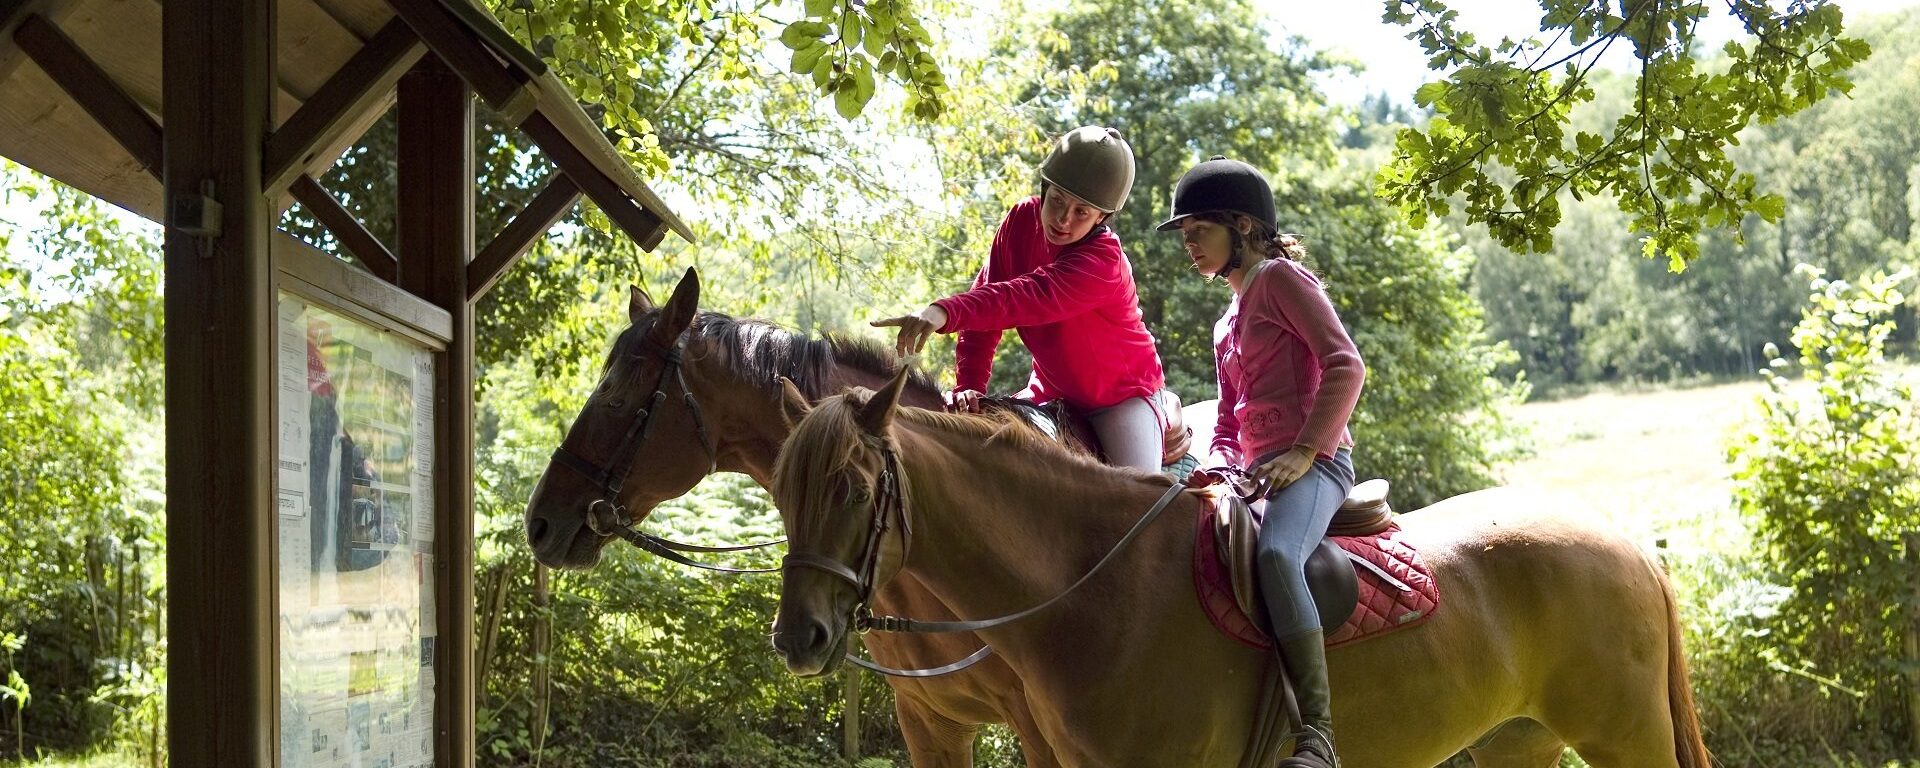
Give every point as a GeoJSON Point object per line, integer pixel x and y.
{"type": "Point", "coordinates": [1220, 185]}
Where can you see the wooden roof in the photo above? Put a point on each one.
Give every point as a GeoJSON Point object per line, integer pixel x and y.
{"type": "Point", "coordinates": [86, 143]}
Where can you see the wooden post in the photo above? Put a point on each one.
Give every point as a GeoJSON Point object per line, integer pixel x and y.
{"type": "Point", "coordinates": [435, 242]}
{"type": "Point", "coordinates": [1913, 646]}
{"type": "Point", "coordinates": [542, 661]}
{"type": "Point", "coordinates": [218, 96]}
{"type": "Point", "coordinates": [850, 707]}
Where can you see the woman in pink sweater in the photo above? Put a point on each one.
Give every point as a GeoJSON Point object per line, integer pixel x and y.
{"type": "Point", "coordinates": [1289, 378]}
{"type": "Point", "coordinates": [1057, 274]}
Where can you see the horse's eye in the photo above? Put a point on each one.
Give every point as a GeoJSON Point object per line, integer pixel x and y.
{"type": "Point", "coordinates": [859, 496]}
{"type": "Point", "coordinates": [616, 403]}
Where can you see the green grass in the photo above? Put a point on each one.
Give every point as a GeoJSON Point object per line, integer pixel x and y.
{"type": "Point", "coordinates": [1652, 464]}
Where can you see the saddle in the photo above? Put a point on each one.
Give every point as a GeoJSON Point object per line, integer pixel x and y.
{"type": "Point", "coordinates": [1330, 576]}
{"type": "Point", "coordinates": [1072, 428]}
{"type": "Point", "coordinates": [1399, 591]}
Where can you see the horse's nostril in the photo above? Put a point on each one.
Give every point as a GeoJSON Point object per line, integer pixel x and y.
{"type": "Point", "coordinates": [537, 530]}
{"type": "Point", "coordinates": [802, 639]}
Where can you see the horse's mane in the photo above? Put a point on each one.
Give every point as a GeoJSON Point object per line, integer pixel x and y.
{"type": "Point", "coordinates": [763, 351]}
{"type": "Point", "coordinates": [823, 444]}
{"type": "Point", "coordinates": [1006, 427]}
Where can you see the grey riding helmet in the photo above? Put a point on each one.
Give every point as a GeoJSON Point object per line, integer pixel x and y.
{"type": "Point", "coordinates": [1094, 164]}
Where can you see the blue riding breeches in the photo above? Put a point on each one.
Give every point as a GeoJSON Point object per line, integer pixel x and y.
{"type": "Point", "coordinates": [1296, 520]}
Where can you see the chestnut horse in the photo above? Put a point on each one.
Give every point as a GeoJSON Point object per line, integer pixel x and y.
{"type": "Point", "coordinates": [730, 368]}
{"type": "Point", "coordinates": [1549, 632]}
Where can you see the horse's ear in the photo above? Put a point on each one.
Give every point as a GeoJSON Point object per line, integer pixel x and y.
{"type": "Point", "coordinates": [793, 405]}
{"type": "Point", "coordinates": [877, 414]}
{"type": "Point", "coordinates": [679, 310]}
{"type": "Point", "coordinates": [638, 303]}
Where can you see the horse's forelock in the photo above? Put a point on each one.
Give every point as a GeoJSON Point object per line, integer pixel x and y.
{"type": "Point", "coordinates": [819, 448]}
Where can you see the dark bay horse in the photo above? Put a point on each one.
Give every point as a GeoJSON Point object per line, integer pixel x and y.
{"type": "Point", "coordinates": [1550, 633]}
{"type": "Point", "coordinates": [730, 367]}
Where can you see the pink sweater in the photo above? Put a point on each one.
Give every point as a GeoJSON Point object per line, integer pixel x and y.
{"type": "Point", "coordinates": [1289, 374]}
{"type": "Point", "coordinates": [1075, 308]}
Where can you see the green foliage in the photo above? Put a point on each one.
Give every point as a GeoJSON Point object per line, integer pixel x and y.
{"type": "Point", "coordinates": [1498, 144]}
{"type": "Point", "coordinates": [1830, 488]}
{"type": "Point", "coordinates": [79, 391]}
{"type": "Point", "coordinates": [1430, 417]}
{"type": "Point", "coordinates": [1581, 314]}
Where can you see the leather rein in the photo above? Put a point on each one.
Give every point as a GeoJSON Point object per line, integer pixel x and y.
{"type": "Point", "coordinates": [889, 513]}
{"type": "Point", "coordinates": [606, 516]}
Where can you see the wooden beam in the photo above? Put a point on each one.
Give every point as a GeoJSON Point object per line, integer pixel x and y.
{"type": "Point", "coordinates": [506, 248]}
{"type": "Point", "coordinates": [642, 225]}
{"type": "Point", "coordinates": [222, 694]}
{"type": "Point", "coordinates": [475, 18]}
{"type": "Point", "coordinates": [361, 244]}
{"type": "Point", "coordinates": [503, 86]}
{"type": "Point", "coordinates": [361, 83]}
{"type": "Point", "coordinates": [92, 89]}
{"type": "Point", "coordinates": [436, 244]}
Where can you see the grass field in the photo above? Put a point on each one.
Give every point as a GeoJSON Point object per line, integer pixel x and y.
{"type": "Point", "coordinates": [1653, 464]}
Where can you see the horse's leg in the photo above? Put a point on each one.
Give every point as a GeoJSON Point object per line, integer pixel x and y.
{"type": "Point", "coordinates": [1033, 744]}
{"type": "Point", "coordinates": [933, 740]}
{"type": "Point", "coordinates": [1521, 743]}
{"type": "Point", "coordinates": [1623, 706]}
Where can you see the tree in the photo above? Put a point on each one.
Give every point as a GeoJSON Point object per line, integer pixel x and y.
{"type": "Point", "coordinates": [1499, 140]}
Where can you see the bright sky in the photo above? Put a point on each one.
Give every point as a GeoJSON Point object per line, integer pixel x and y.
{"type": "Point", "coordinates": [1396, 66]}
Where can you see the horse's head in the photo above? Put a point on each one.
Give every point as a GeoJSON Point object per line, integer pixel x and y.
{"type": "Point", "coordinates": [638, 441]}
{"type": "Point", "coordinates": [841, 491]}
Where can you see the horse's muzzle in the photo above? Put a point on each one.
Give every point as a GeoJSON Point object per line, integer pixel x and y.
{"type": "Point", "coordinates": [808, 646]}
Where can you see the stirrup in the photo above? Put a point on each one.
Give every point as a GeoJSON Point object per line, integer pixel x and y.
{"type": "Point", "coordinates": [1314, 757]}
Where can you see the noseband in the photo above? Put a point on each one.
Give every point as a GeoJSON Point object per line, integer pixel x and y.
{"type": "Point", "coordinates": [606, 516]}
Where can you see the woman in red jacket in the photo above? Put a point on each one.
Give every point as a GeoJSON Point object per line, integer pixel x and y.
{"type": "Point", "coordinates": [1289, 379]}
{"type": "Point", "coordinates": [1057, 275]}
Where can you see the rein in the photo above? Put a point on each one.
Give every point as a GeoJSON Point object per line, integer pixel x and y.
{"type": "Point", "coordinates": [606, 516]}
{"type": "Point", "coordinates": [863, 580]}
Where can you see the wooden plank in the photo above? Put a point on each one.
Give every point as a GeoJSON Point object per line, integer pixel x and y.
{"type": "Point", "coordinates": [222, 691]}
{"type": "Point", "coordinates": [499, 84]}
{"type": "Point", "coordinates": [644, 226]}
{"type": "Point", "coordinates": [436, 244]}
{"type": "Point", "coordinates": [11, 12]}
{"type": "Point", "coordinates": [44, 130]}
{"type": "Point", "coordinates": [359, 87]}
{"type": "Point", "coordinates": [130, 125]}
{"type": "Point", "coordinates": [123, 37]}
{"type": "Point", "coordinates": [359, 293]}
{"type": "Point", "coordinates": [554, 200]}
{"type": "Point", "coordinates": [364, 17]}
{"type": "Point", "coordinates": [361, 244]}
{"type": "Point", "coordinates": [309, 45]}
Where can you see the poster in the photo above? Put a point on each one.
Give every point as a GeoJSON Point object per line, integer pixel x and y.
{"type": "Point", "coordinates": [353, 501]}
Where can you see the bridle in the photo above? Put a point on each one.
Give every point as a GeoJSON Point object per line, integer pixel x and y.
{"type": "Point", "coordinates": [606, 516]}
{"type": "Point", "coordinates": [890, 504]}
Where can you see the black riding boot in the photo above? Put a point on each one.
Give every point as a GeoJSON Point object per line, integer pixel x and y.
{"type": "Point", "coordinates": [1305, 656]}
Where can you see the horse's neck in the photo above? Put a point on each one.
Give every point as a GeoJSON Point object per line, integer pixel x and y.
{"type": "Point", "coordinates": [999, 529]}
{"type": "Point", "coordinates": [748, 426]}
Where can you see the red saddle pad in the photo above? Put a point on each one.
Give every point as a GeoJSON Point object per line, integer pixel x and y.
{"type": "Point", "coordinates": [1397, 589]}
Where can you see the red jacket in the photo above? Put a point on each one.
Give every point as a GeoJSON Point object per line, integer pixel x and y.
{"type": "Point", "coordinates": [1075, 308]}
